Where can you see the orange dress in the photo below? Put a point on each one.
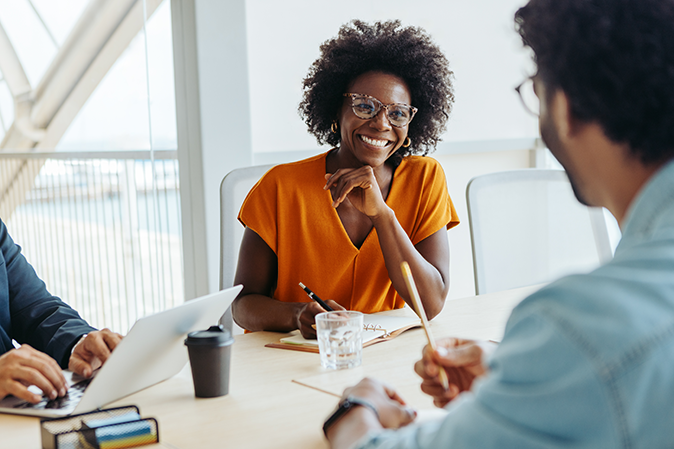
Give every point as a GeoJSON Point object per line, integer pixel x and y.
{"type": "Point", "coordinates": [291, 212]}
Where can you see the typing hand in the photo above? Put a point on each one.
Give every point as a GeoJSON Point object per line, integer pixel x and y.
{"type": "Point", "coordinates": [26, 366]}
{"type": "Point", "coordinates": [462, 360]}
{"type": "Point", "coordinates": [305, 318]}
{"type": "Point", "coordinates": [92, 351]}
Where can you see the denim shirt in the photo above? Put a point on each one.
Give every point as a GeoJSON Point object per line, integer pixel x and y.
{"type": "Point", "coordinates": [28, 312]}
{"type": "Point", "coordinates": [586, 362]}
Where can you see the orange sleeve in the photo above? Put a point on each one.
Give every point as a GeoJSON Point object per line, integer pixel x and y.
{"type": "Point", "coordinates": [435, 209]}
{"type": "Point", "coordinates": [259, 210]}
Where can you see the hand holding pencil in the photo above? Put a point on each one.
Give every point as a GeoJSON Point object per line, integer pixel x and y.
{"type": "Point", "coordinates": [448, 366]}
{"type": "Point", "coordinates": [462, 360]}
{"type": "Point", "coordinates": [419, 308]}
{"type": "Point", "coordinates": [306, 312]}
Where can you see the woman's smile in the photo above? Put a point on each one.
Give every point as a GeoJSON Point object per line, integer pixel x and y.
{"type": "Point", "coordinates": [381, 143]}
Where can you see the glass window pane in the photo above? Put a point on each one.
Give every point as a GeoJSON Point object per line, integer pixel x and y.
{"type": "Point", "coordinates": [29, 38]}
{"type": "Point", "coordinates": [58, 18]}
{"type": "Point", "coordinates": [115, 117]}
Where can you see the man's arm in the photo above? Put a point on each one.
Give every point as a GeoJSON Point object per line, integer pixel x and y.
{"type": "Point", "coordinates": [385, 409]}
{"type": "Point", "coordinates": [541, 391]}
{"type": "Point", "coordinates": [36, 317]}
{"type": "Point", "coordinates": [47, 328]}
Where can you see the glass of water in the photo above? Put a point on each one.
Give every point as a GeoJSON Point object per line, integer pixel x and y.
{"type": "Point", "coordinates": [340, 339]}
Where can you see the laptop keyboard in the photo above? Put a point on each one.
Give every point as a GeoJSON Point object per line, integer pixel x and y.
{"type": "Point", "coordinates": [72, 397]}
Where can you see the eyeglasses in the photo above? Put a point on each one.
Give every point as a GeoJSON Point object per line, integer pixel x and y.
{"type": "Point", "coordinates": [366, 107]}
{"type": "Point", "coordinates": [530, 100]}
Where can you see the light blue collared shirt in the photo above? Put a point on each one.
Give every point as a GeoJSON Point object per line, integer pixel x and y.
{"type": "Point", "coordinates": [586, 362]}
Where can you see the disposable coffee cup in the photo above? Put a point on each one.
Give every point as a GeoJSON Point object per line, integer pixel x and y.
{"type": "Point", "coordinates": [210, 352]}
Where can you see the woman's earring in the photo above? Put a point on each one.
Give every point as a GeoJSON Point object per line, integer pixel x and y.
{"type": "Point", "coordinates": [407, 142]}
{"type": "Point", "coordinates": [334, 127]}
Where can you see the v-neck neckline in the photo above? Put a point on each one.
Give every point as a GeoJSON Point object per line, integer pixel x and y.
{"type": "Point", "coordinates": [335, 214]}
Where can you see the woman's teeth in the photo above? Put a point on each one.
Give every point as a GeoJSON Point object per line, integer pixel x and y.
{"type": "Point", "coordinates": [374, 142]}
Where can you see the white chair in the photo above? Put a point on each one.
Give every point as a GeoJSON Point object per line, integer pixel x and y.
{"type": "Point", "coordinates": [233, 190]}
{"type": "Point", "coordinates": [527, 227]}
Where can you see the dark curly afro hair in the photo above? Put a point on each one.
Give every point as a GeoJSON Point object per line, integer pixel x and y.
{"type": "Point", "coordinates": [406, 52]}
{"type": "Point", "coordinates": [614, 59]}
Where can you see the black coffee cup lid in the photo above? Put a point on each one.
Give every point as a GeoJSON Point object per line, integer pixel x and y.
{"type": "Point", "coordinates": [213, 336]}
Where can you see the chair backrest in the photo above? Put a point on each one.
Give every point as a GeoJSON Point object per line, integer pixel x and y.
{"type": "Point", "coordinates": [233, 190]}
{"type": "Point", "coordinates": [527, 227]}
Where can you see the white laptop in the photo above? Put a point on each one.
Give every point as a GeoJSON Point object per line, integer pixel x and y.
{"type": "Point", "coordinates": [151, 352]}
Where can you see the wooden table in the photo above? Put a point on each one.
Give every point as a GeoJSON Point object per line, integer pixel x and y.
{"type": "Point", "coordinates": [280, 398]}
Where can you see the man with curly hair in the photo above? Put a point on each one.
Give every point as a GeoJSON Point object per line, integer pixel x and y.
{"type": "Point", "coordinates": [343, 221]}
{"type": "Point", "coordinates": [586, 361]}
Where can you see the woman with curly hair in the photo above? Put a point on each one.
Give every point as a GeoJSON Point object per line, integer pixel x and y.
{"type": "Point", "coordinates": [343, 221]}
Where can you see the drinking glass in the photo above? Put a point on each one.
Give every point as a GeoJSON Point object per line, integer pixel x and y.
{"type": "Point", "coordinates": [340, 339]}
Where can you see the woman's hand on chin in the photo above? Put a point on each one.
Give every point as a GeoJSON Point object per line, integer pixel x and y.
{"type": "Point", "coordinates": [359, 186]}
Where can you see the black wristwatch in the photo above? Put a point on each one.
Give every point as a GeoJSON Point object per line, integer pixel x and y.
{"type": "Point", "coordinates": [343, 408]}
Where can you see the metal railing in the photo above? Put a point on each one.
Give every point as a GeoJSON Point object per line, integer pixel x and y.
{"type": "Point", "coordinates": [102, 230]}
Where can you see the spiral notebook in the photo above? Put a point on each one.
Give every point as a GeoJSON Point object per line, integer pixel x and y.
{"type": "Point", "coordinates": [377, 328]}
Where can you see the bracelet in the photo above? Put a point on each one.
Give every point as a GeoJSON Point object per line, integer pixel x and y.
{"type": "Point", "coordinates": [344, 406]}
{"type": "Point", "coordinates": [364, 403]}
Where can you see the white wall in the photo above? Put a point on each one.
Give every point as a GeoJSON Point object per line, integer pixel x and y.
{"type": "Point", "coordinates": [477, 37]}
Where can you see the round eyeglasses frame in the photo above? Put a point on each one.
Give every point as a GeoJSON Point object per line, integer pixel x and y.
{"type": "Point", "coordinates": [526, 91]}
{"type": "Point", "coordinates": [378, 106]}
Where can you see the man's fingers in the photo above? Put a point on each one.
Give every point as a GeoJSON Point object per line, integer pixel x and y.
{"type": "Point", "coordinates": [18, 389]}
{"type": "Point", "coordinates": [427, 367]}
{"type": "Point", "coordinates": [420, 369]}
{"type": "Point", "coordinates": [111, 339]}
{"type": "Point", "coordinates": [95, 343]}
{"type": "Point", "coordinates": [463, 355]}
{"type": "Point", "coordinates": [393, 394]}
{"type": "Point", "coordinates": [437, 391]}
{"type": "Point", "coordinates": [32, 376]}
{"type": "Point", "coordinates": [25, 366]}
{"type": "Point", "coordinates": [83, 367]}
{"type": "Point", "coordinates": [51, 379]}
{"type": "Point", "coordinates": [40, 370]}
{"type": "Point", "coordinates": [80, 366]}
{"type": "Point", "coordinates": [92, 351]}
{"type": "Point", "coordinates": [433, 388]}
{"type": "Point", "coordinates": [408, 415]}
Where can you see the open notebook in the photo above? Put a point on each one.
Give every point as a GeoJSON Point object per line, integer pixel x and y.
{"type": "Point", "coordinates": [377, 328]}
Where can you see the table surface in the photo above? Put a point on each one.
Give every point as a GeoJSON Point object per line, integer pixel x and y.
{"type": "Point", "coordinates": [280, 398]}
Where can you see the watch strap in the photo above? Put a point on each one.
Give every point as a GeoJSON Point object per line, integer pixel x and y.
{"type": "Point", "coordinates": [344, 406]}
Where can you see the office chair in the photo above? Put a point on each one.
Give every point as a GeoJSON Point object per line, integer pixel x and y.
{"type": "Point", "coordinates": [233, 190]}
{"type": "Point", "coordinates": [527, 227]}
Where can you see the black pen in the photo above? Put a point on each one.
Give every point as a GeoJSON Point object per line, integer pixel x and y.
{"type": "Point", "coordinates": [313, 296]}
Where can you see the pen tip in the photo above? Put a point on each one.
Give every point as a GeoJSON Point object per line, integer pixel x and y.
{"type": "Point", "coordinates": [302, 285]}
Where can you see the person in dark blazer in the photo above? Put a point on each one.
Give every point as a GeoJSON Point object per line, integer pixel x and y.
{"type": "Point", "coordinates": [50, 333]}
